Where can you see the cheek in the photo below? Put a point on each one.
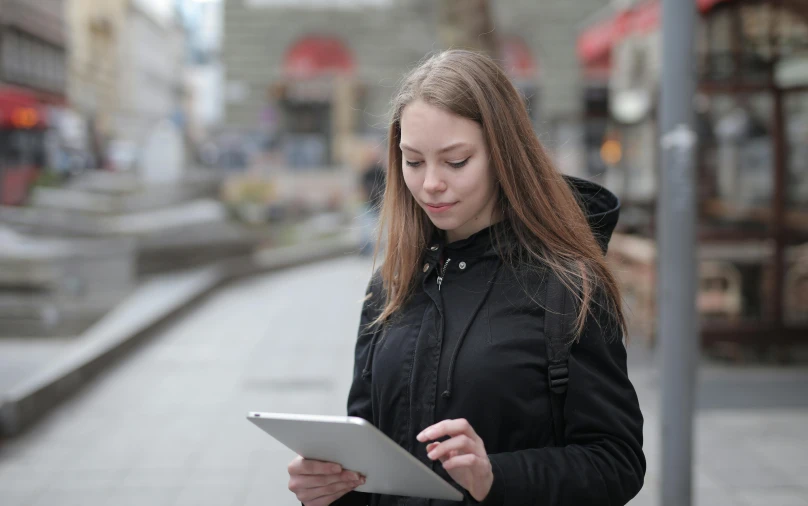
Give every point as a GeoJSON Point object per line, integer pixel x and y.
{"type": "Point", "coordinates": [474, 183]}
{"type": "Point", "coordinates": [413, 181]}
{"type": "Point", "coordinates": [486, 181]}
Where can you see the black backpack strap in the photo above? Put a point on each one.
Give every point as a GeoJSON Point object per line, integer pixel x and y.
{"type": "Point", "coordinates": [558, 317]}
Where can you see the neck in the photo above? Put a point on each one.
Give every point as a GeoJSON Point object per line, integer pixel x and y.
{"type": "Point", "coordinates": [460, 234]}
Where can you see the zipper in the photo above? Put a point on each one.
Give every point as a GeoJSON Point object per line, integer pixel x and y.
{"type": "Point", "coordinates": [443, 272]}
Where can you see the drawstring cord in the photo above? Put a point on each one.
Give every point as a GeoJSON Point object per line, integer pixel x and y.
{"type": "Point", "coordinates": [366, 372]}
{"type": "Point", "coordinates": [448, 392]}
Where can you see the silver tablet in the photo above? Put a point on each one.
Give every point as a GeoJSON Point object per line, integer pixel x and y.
{"type": "Point", "coordinates": [357, 446]}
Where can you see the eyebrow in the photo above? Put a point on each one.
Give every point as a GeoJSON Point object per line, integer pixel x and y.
{"type": "Point", "coordinates": [442, 150]}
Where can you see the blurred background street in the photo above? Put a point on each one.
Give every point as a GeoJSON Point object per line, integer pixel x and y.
{"type": "Point", "coordinates": [175, 173]}
{"type": "Point", "coordinates": [167, 426]}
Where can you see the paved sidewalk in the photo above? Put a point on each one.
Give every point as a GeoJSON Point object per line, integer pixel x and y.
{"type": "Point", "coordinates": [751, 447]}
{"type": "Point", "coordinates": [166, 426]}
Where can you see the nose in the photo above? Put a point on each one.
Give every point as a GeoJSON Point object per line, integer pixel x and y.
{"type": "Point", "coordinates": [433, 183]}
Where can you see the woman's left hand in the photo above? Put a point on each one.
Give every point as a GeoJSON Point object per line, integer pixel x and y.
{"type": "Point", "coordinates": [463, 455]}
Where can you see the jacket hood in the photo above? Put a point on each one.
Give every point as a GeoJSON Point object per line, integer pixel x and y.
{"type": "Point", "coordinates": [601, 207]}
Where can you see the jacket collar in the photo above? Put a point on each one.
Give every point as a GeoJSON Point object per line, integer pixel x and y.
{"type": "Point", "coordinates": [478, 245]}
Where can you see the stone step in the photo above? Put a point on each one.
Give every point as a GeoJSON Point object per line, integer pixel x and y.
{"type": "Point", "coordinates": [53, 283]}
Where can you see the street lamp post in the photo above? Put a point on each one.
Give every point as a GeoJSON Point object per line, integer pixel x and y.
{"type": "Point", "coordinates": [676, 216]}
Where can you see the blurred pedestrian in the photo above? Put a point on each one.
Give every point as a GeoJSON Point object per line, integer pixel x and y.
{"type": "Point", "coordinates": [490, 343]}
{"type": "Point", "coordinates": [373, 184]}
{"type": "Point", "coordinates": [373, 179]}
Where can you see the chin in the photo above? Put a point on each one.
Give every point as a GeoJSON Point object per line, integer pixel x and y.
{"type": "Point", "coordinates": [444, 224]}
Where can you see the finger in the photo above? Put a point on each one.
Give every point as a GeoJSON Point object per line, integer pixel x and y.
{"type": "Point", "coordinates": [300, 482]}
{"type": "Point", "coordinates": [431, 446]}
{"type": "Point", "coordinates": [443, 458]}
{"type": "Point", "coordinates": [309, 466]}
{"type": "Point", "coordinates": [447, 428]}
{"type": "Point", "coordinates": [460, 444]}
{"type": "Point", "coordinates": [452, 453]}
{"type": "Point", "coordinates": [295, 465]}
{"type": "Point", "coordinates": [312, 494]}
{"type": "Point", "coordinates": [464, 460]}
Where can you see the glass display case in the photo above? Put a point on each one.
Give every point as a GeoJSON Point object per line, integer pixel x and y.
{"type": "Point", "coordinates": [752, 170]}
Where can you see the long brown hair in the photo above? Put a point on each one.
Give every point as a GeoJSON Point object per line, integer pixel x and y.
{"type": "Point", "coordinates": [533, 197]}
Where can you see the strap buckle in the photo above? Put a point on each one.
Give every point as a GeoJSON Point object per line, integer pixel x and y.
{"type": "Point", "coordinates": [559, 376]}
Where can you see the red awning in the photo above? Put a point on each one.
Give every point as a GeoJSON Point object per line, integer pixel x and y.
{"type": "Point", "coordinates": [518, 62]}
{"type": "Point", "coordinates": [706, 5]}
{"type": "Point", "coordinates": [21, 109]}
{"type": "Point", "coordinates": [596, 42]}
{"type": "Point", "coordinates": [317, 55]}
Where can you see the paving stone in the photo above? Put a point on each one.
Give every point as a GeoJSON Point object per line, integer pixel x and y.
{"type": "Point", "coordinates": [151, 496]}
{"type": "Point", "coordinates": [776, 497]}
{"type": "Point", "coordinates": [210, 495]}
{"type": "Point", "coordinates": [96, 497]}
{"type": "Point", "coordinates": [18, 497]}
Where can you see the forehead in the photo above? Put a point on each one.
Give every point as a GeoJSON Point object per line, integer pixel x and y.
{"type": "Point", "coordinates": [430, 126]}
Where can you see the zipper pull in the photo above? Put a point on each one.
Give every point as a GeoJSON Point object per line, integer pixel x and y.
{"type": "Point", "coordinates": [443, 272]}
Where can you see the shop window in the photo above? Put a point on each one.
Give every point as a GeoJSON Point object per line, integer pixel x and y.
{"type": "Point", "coordinates": [754, 42]}
{"type": "Point", "coordinates": [307, 137]}
{"type": "Point", "coordinates": [796, 115]}
{"type": "Point", "coordinates": [737, 161]}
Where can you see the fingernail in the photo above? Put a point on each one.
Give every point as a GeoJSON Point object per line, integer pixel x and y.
{"type": "Point", "coordinates": [354, 476]}
{"type": "Point", "coordinates": [421, 437]}
{"type": "Point", "coordinates": [336, 469]}
{"type": "Point", "coordinates": [431, 455]}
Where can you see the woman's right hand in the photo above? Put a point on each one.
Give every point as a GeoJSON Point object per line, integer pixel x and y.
{"type": "Point", "coordinates": [317, 483]}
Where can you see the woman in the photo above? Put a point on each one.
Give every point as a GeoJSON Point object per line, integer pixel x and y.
{"type": "Point", "coordinates": [451, 358]}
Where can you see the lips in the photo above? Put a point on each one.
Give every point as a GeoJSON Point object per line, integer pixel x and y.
{"type": "Point", "coordinates": [439, 207]}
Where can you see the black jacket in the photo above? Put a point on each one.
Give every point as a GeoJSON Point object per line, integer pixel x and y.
{"type": "Point", "coordinates": [475, 349]}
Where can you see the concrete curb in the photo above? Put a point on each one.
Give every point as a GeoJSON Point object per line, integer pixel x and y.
{"type": "Point", "coordinates": [32, 399]}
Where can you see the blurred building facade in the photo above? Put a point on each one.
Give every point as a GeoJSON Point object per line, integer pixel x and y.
{"type": "Point", "coordinates": [32, 88]}
{"type": "Point", "coordinates": [311, 81]}
{"type": "Point", "coordinates": [751, 113]}
{"type": "Point", "coordinates": [125, 71]}
{"type": "Point", "coordinates": [33, 51]}
{"type": "Point", "coordinates": [203, 68]}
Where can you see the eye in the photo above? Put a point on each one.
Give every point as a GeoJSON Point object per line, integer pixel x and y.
{"type": "Point", "coordinates": [413, 164]}
{"type": "Point", "coordinates": [457, 165]}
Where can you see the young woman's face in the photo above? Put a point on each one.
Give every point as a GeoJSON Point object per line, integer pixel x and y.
{"type": "Point", "coordinates": [445, 166]}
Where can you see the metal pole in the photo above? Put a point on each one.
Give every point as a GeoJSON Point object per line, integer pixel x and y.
{"type": "Point", "coordinates": [678, 324]}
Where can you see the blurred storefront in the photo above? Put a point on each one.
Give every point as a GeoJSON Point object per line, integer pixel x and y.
{"type": "Point", "coordinates": [314, 100]}
{"type": "Point", "coordinates": [32, 90]}
{"type": "Point", "coordinates": [312, 111]}
{"type": "Point", "coordinates": [752, 164]}
{"type": "Point", "coordinates": [23, 123]}
{"type": "Point", "coordinates": [311, 82]}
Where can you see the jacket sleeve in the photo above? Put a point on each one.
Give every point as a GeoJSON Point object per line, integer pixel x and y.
{"type": "Point", "coordinates": [602, 462]}
{"type": "Point", "coordinates": [359, 396]}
